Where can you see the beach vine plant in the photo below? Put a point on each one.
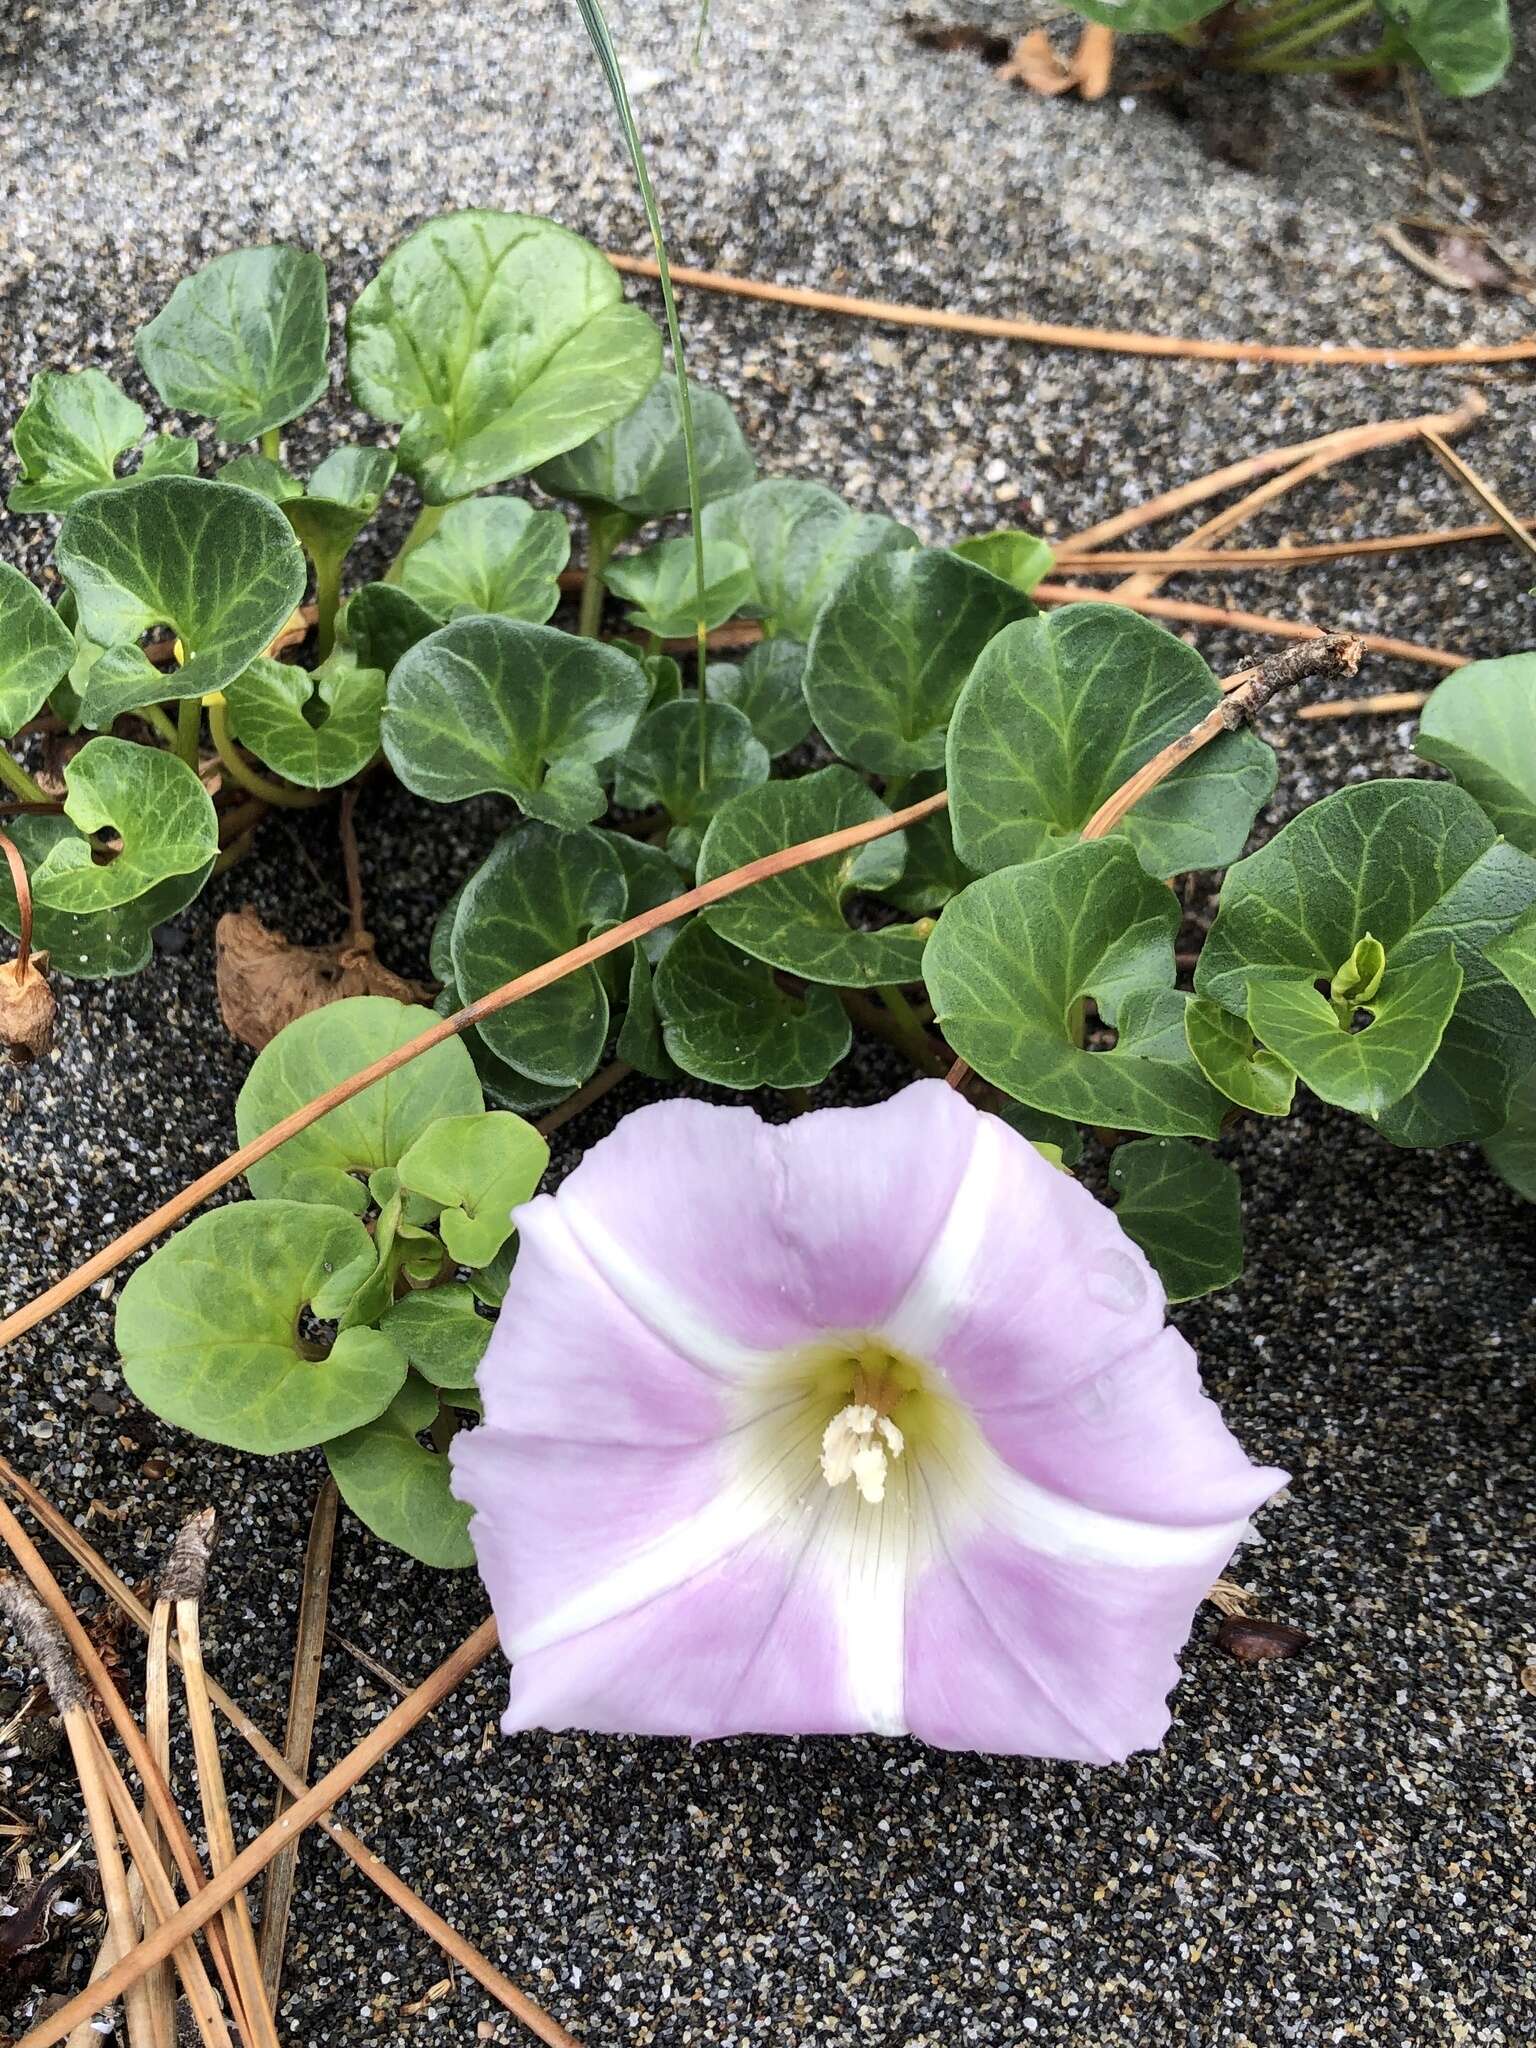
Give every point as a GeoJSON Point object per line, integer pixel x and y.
{"type": "Point", "coordinates": [959, 817]}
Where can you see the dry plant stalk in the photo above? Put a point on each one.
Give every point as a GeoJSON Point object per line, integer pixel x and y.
{"type": "Point", "coordinates": [182, 1584]}
{"type": "Point", "coordinates": [1483, 492]}
{"type": "Point", "coordinates": [1285, 555]}
{"type": "Point", "coordinates": [1237, 622]}
{"type": "Point", "coordinates": [1353, 707]}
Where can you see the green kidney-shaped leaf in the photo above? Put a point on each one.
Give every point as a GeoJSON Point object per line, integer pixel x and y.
{"type": "Point", "coordinates": [217, 564]}
{"type": "Point", "coordinates": [1511, 1152]}
{"type": "Point", "coordinates": [662, 586]}
{"type": "Point", "coordinates": [97, 944]}
{"type": "Point", "coordinates": [539, 894]}
{"type": "Point", "coordinates": [1016, 956]}
{"type": "Point", "coordinates": [1061, 710]}
{"type": "Point", "coordinates": [242, 340]}
{"type": "Point", "coordinates": [1231, 1059]}
{"type": "Point", "coordinates": [158, 808]}
{"type": "Point", "coordinates": [318, 727]}
{"type": "Point", "coordinates": [208, 1329]}
{"type": "Point", "coordinates": [661, 763]}
{"type": "Point", "coordinates": [726, 1020]}
{"type": "Point", "coordinates": [68, 437]}
{"type": "Point", "coordinates": [1464, 45]}
{"type": "Point", "coordinates": [797, 920]}
{"type": "Point", "coordinates": [1515, 956]}
{"type": "Point", "coordinates": [440, 1332]}
{"type": "Point", "coordinates": [1184, 1209]}
{"type": "Point", "coordinates": [639, 465]}
{"type": "Point", "coordinates": [36, 649]}
{"type": "Point", "coordinates": [1480, 723]}
{"type": "Point", "coordinates": [802, 540]}
{"type": "Point", "coordinates": [401, 1490]}
{"type": "Point", "coordinates": [1020, 558]}
{"type": "Point", "coordinates": [375, 1128]}
{"type": "Point", "coordinates": [891, 649]}
{"type": "Point", "coordinates": [341, 497]}
{"type": "Point", "coordinates": [1417, 867]}
{"type": "Point", "coordinates": [490, 705]}
{"type": "Point", "coordinates": [1368, 1068]}
{"type": "Point", "coordinates": [766, 686]}
{"type": "Point", "coordinates": [479, 1168]}
{"type": "Point", "coordinates": [261, 474]}
{"type": "Point", "coordinates": [382, 622]}
{"type": "Point", "coordinates": [498, 341]}
{"type": "Point", "coordinates": [491, 555]}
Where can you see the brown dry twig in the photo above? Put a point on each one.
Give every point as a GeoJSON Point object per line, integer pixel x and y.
{"type": "Point", "coordinates": [1239, 622]}
{"type": "Point", "coordinates": [1285, 555]}
{"type": "Point", "coordinates": [1483, 492]}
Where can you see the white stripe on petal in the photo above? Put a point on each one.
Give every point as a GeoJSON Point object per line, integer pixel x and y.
{"type": "Point", "coordinates": [873, 1557]}
{"type": "Point", "coordinates": [942, 1286]}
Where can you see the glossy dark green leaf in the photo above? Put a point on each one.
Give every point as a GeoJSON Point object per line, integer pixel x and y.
{"type": "Point", "coordinates": [1480, 724]}
{"type": "Point", "coordinates": [662, 586]}
{"type": "Point", "coordinates": [891, 649]}
{"type": "Point", "coordinates": [1231, 1059]}
{"type": "Point", "coordinates": [401, 1490]}
{"type": "Point", "coordinates": [798, 920]}
{"type": "Point", "coordinates": [68, 437]}
{"type": "Point", "coordinates": [318, 727]}
{"type": "Point", "coordinates": [1061, 710]}
{"type": "Point", "coordinates": [1017, 955]}
{"type": "Point", "coordinates": [98, 944]}
{"type": "Point", "coordinates": [1514, 955]}
{"type": "Point", "coordinates": [159, 810]}
{"type": "Point", "coordinates": [767, 687]}
{"type": "Point", "coordinates": [440, 1332]}
{"type": "Point", "coordinates": [651, 878]}
{"type": "Point", "coordinates": [36, 649]}
{"type": "Point", "coordinates": [1184, 1208]}
{"type": "Point", "coordinates": [208, 1329]}
{"type": "Point", "coordinates": [339, 500]}
{"type": "Point", "coordinates": [539, 894]}
{"type": "Point", "coordinates": [243, 340]}
{"type": "Point", "coordinates": [1418, 867]}
{"type": "Point", "coordinates": [1020, 558]}
{"type": "Point", "coordinates": [490, 555]}
{"type": "Point", "coordinates": [1511, 1152]}
{"type": "Point", "coordinates": [661, 764]}
{"type": "Point", "coordinates": [726, 1020]}
{"type": "Point", "coordinates": [640, 1041]}
{"type": "Point", "coordinates": [478, 1169]}
{"type": "Point", "coordinates": [217, 564]}
{"type": "Point", "coordinates": [639, 465]}
{"type": "Point", "coordinates": [1464, 45]}
{"type": "Point", "coordinates": [498, 705]}
{"type": "Point", "coordinates": [382, 622]}
{"type": "Point", "coordinates": [377, 1127]}
{"type": "Point", "coordinates": [802, 540]}
{"type": "Point", "coordinates": [498, 341]}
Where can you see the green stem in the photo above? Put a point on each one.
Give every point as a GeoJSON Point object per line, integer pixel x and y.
{"type": "Point", "coordinates": [1264, 24]}
{"type": "Point", "coordinates": [189, 722]}
{"type": "Point", "coordinates": [1314, 26]}
{"type": "Point", "coordinates": [327, 602]}
{"type": "Point", "coordinates": [272, 444]}
{"type": "Point", "coordinates": [906, 1028]}
{"type": "Point", "coordinates": [428, 520]}
{"type": "Point", "coordinates": [1324, 67]}
{"type": "Point", "coordinates": [158, 723]}
{"type": "Point", "coordinates": [608, 58]}
{"type": "Point", "coordinates": [602, 538]}
{"type": "Point", "coordinates": [240, 771]}
{"type": "Point", "coordinates": [19, 782]}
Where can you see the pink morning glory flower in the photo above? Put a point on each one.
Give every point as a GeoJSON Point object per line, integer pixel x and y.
{"type": "Point", "coordinates": [868, 1421]}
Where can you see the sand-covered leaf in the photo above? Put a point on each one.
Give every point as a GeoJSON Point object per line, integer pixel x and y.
{"type": "Point", "coordinates": [798, 920]}
{"type": "Point", "coordinates": [497, 341]}
{"type": "Point", "coordinates": [1059, 712]}
{"type": "Point", "coordinates": [498, 705]}
{"type": "Point", "coordinates": [401, 1489]}
{"type": "Point", "coordinates": [318, 727]}
{"type": "Point", "coordinates": [154, 804]}
{"type": "Point", "coordinates": [1184, 1208]}
{"type": "Point", "coordinates": [726, 1020]}
{"type": "Point", "coordinates": [893, 646]}
{"type": "Point", "coordinates": [209, 1335]}
{"type": "Point", "coordinates": [1146, 17]}
{"type": "Point", "coordinates": [329, 1162]}
{"type": "Point", "coordinates": [478, 1169]}
{"type": "Point", "coordinates": [639, 465]}
{"type": "Point", "coordinates": [36, 649]}
{"type": "Point", "coordinates": [490, 555]}
{"type": "Point", "coordinates": [68, 437]}
{"type": "Point", "coordinates": [1017, 956]}
{"type": "Point", "coordinates": [1480, 724]}
{"type": "Point", "coordinates": [243, 340]}
{"type": "Point", "coordinates": [217, 564]}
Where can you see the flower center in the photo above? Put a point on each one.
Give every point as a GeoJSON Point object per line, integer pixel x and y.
{"type": "Point", "coordinates": [869, 1382]}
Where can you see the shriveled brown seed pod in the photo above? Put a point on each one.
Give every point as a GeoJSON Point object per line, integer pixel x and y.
{"type": "Point", "coordinates": [27, 1010]}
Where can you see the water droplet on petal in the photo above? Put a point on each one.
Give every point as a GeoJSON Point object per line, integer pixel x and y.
{"type": "Point", "coordinates": [1114, 1280]}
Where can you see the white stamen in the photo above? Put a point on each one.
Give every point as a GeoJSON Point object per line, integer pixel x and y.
{"type": "Point", "coordinates": [858, 1444]}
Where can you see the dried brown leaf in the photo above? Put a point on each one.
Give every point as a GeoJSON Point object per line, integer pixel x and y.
{"type": "Point", "coordinates": [1094, 61]}
{"type": "Point", "coordinates": [265, 981]}
{"type": "Point", "coordinates": [1035, 64]}
{"type": "Point", "coordinates": [27, 1010]}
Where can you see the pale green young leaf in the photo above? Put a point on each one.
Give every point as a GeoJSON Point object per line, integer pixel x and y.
{"type": "Point", "coordinates": [726, 1020]}
{"type": "Point", "coordinates": [159, 810]}
{"type": "Point", "coordinates": [401, 1491]}
{"type": "Point", "coordinates": [317, 727]}
{"type": "Point", "coordinates": [165, 455]}
{"type": "Point", "coordinates": [68, 437]}
{"type": "Point", "coordinates": [243, 340]}
{"type": "Point", "coordinates": [1016, 957]}
{"type": "Point", "coordinates": [339, 500]}
{"type": "Point", "coordinates": [215, 563]}
{"type": "Point", "coordinates": [767, 687]}
{"type": "Point", "coordinates": [490, 555]}
{"type": "Point", "coordinates": [540, 894]}
{"type": "Point", "coordinates": [802, 540]}
{"type": "Point", "coordinates": [497, 705]}
{"type": "Point", "coordinates": [1231, 1059]}
{"type": "Point", "coordinates": [440, 1332]}
{"type": "Point", "coordinates": [98, 944]}
{"type": "Point", "coordinates": [208, 1329]}
{"type": "Point", "coordinates": [1369, 1068]}
{"type": "Point", "coordinates": [1514, 955]}
{"type": "Point", "coordinates": [891, 649]}
{"type": "Point", "coordinates": [36, 649]}
{"type": "Point", "coordinates": [798, 920]}
{"type": "Point", "coordinates": [479, 1168]}
{"type": "Point", "coordinates": [1061, 710]}
{"type": "Point", "coordinates": [329, 1162]}
{"type": "Point", "coordinates": [1020, 558]}
{"type": "Point", "coordinates": [1184, 1208]}
{"type": "Point", "coordinates": [261, 474]}
{"type": "Point", "coordinates": [497, 341]}
{"type": "Point", "coordinates": [662, 587]}
{"type": "Point", "coordinates": [638, 466]}
{"type": "Point", "coordinates": [1480, 724]}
